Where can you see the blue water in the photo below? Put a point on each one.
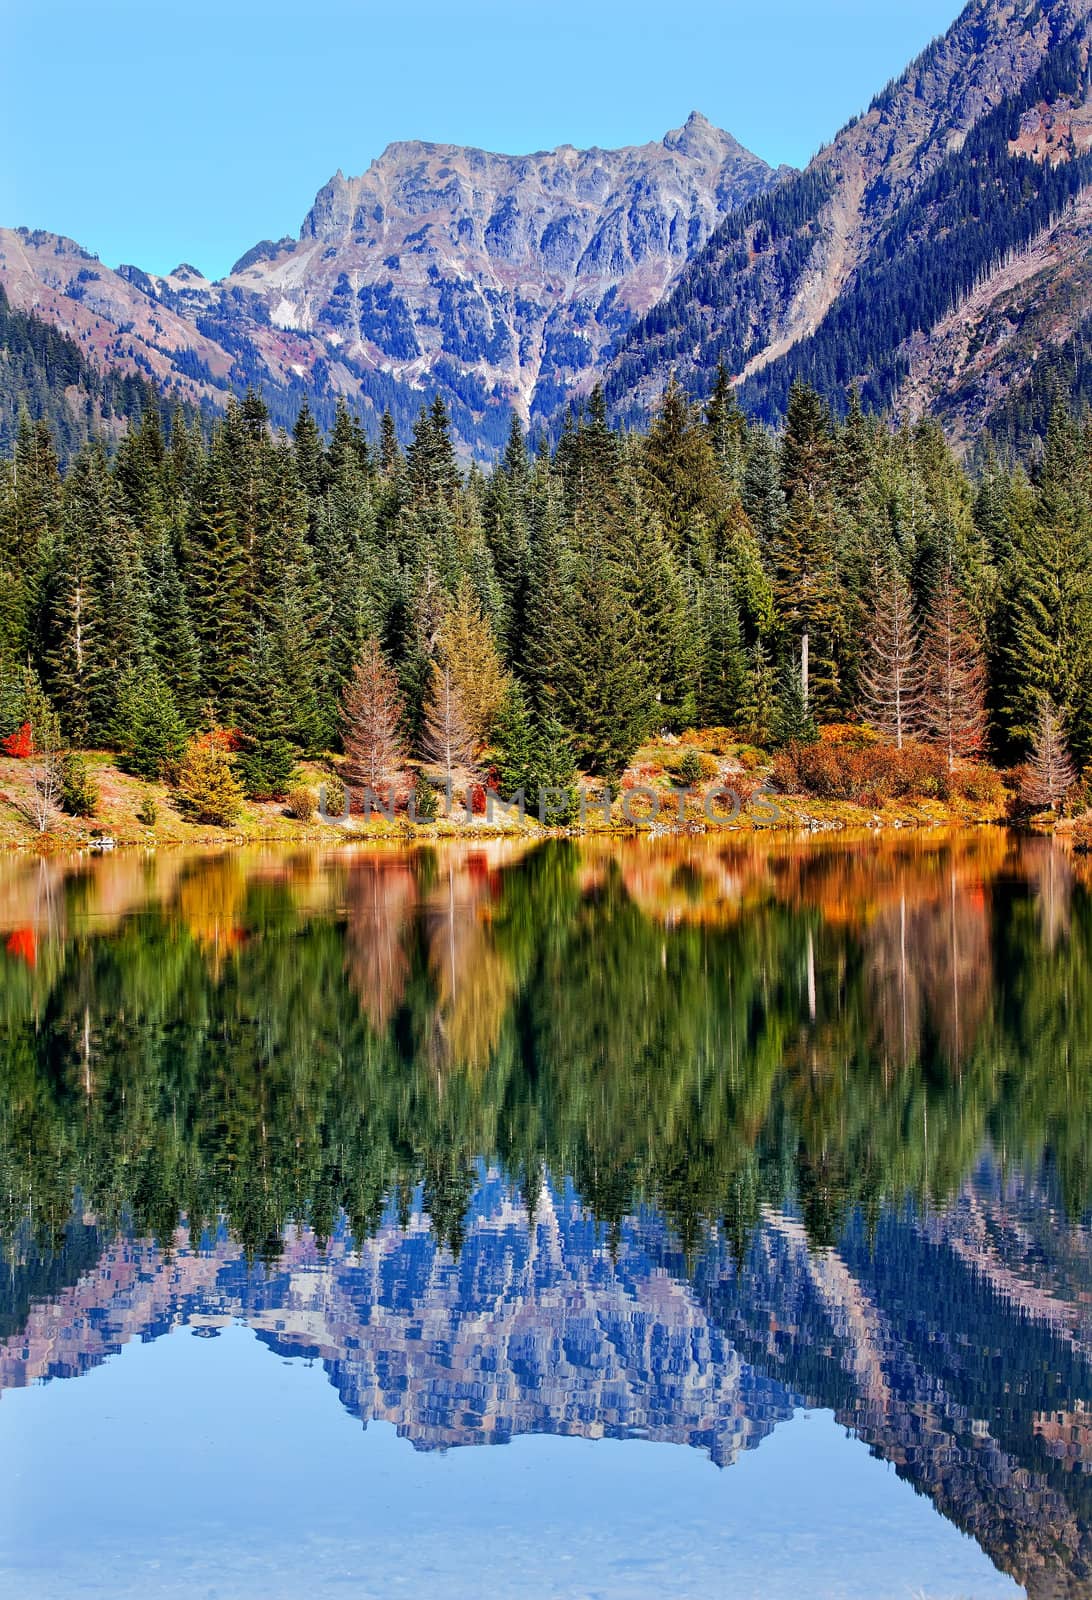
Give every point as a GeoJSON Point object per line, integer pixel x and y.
{"type": "Point", "coordinates": [214, 1468]}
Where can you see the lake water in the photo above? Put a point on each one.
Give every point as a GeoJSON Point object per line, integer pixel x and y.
{"type": "Point", "coordinates": [665, 1218]}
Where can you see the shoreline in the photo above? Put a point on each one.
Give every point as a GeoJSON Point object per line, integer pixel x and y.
{"type": "Point", "coordinates": [850, 822]}
{"type": "Point", "coordinates": [267, 824]}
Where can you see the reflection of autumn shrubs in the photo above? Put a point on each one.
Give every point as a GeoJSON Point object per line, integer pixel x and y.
{"type": "Point", "coordinates": [852, 764]}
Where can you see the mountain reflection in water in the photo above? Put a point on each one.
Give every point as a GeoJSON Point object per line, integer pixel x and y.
{"type": "Point", "coordinates": [658, 1140]}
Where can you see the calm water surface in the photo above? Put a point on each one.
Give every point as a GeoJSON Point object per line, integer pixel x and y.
{"type": "Point", "coordinates": [740, 1191]}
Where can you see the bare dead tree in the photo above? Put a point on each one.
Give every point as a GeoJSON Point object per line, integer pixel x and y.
{"type": "Point", "coordinates": [371, 711]}
{"type": "Point", "coordinates": [955, 670]}
{"type": "Point", "coordinates": [450, 739]}
{"type": "Point", "coordinates": [893, 680]}
{"type": "Point", "coordinates": [42, 802]}
{"type": "Point", "coordinates": [1050, 772]}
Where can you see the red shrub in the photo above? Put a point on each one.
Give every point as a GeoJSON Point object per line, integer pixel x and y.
{"type": "Point", "coordinates": [19, 744]}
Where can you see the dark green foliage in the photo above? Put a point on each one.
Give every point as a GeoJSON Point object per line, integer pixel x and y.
{"type": "Point", "coordinates": [1043, 639]}
{"type": "Point", "coordinates": [150, 731]}
{"type": "Point", "coordinates": [40, 370]}
{"type": "Point", "coordinates": [513, 745]}
{"type": "Point", "coordinates": [722, 684]}
{"type": "Point", "coordinates": [96, 610]}
{"type": "Point", "coordinates": [532, 755]}
{"type": "Point", "coordinates": [426, 801]}
{"type": "Point", "coordinates": [605, 692]}
{"type": "Point", "coordinates": [690, 769]}
{"type": "Point", "coordinates": [553, 790]}
{"type": "Point", "coordinates": [794, 722]}
{"type": "Point", "coordinates": [79, 790]}
{"type": "Point", "coordinates": [630, 585]}
{"type": "Point", "coordinates": [265, 720]}
{"type": "Point", "coordinates": [215, 572]}
{"type": "Point", "coordinates": [30, 512]}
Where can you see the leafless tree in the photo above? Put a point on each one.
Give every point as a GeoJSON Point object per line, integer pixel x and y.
{"type": "Point", "coordinates": [893, 680]}
{"type": "Point", "coordinates": [450, 739]}
{"type": "Point", "coordinates": [371, 710]}
{"type": "Point", "coordinates": [1050, 773]}
{"type": "Point", "coordinates": [955, 668]}
{"type": "Point", "coordinates": [42, 803]}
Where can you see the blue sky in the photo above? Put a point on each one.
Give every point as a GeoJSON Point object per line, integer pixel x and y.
{"type": "Point", "coordinates": [159, 132]}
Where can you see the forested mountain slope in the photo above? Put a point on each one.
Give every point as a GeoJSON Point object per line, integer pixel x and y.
{"type": "Point", "coordinates": [909, 256]}
{"type": "Point", "coordinates": [45, 373]}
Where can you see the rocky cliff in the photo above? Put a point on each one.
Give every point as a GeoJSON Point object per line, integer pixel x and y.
{"type": "Point", "coordinates": [499, 281]}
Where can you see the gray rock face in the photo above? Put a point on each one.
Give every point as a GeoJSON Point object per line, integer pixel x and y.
{"type": "Point", "coordinates": [439, 254]}
{"type": "Point", "coordinates": [494, 280]}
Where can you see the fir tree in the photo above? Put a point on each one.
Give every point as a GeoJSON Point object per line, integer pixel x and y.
{"type": "Point", "coordinates": [760, 711]}
{"type": "Point", "coordinates": [552, 790]}
{"type": "Point", "coordinates": [604, 696]}
{"type": "Point", "coordinates": [298, 660]}
{"type": "Point", "coordinates": [208, 788]}
{"type": "Point", "coordinates": [803, 549]}
{"type": "Point", "coordinates": [310, 453]}
{"type": "Point", "coordinates": [722, 693]}
{"type": "Point", "coordinates": [513, 745]}
{"type": "Point", "coordinates": [727, 430]}
{"type": "Point", "coordinates": [150, 731]}
{"type": "Point", "coordinates": [1046, 630]}
{"type": "Point", "coordinates": [265, 714]}
{"type": "Point", "coordinates": [450, 740]}
{"type": "Point", "coordinates": [680, 479]}
{"type": "Point", "coordinates": [98, 615]}
{"type": "Point", "coordinates": [761, 493]}
{"type": "Point", "coordinates": [465, 645]}
{"type": "Point", "coordinates": [173, 642]}
{"type": "Point", "coordinates": [30, 514]}
{"type": "Point", "coordinates": [540, 654]}
{"type": "Point", "coordinates": [955, 686]}
{"type": "Point", "coordinates": [216, 575]}
{"type": "Point", "coordinates": [793, 721]}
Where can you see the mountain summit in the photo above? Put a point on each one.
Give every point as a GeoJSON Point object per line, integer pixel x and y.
{"type": "Point", "coordinates": [497, 280]}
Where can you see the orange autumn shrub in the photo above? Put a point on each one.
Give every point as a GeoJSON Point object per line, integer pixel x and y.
{"type": "Point", "coordinates": [852, 764]}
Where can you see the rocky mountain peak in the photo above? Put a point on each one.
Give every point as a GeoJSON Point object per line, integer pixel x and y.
{"type": "Point", "coordinates": [509, 274]}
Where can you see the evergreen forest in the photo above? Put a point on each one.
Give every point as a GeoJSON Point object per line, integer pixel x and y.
{"type": "Point", "coordinates": [305, 593]}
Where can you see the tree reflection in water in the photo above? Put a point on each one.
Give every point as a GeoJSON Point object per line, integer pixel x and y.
{"type": "Point", "coordinates": [656, 1137]}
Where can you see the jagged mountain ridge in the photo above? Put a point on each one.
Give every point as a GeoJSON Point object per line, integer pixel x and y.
{"type": "Point", "coordinates": [914, 219]}
{"type": "Point", "coordinates": [499, 281]}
